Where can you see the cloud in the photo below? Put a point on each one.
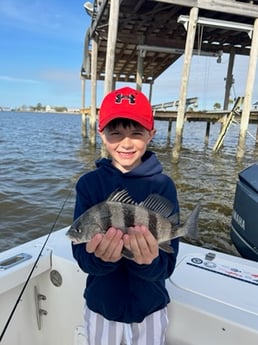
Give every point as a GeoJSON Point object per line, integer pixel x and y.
{"type": "Point", "coordinates": [60, 81]}
{"type": "Point", "coordinates": [60, 75]}
{"type": "Point", "coordinates": [47, 17]}
{"type": "Point", "coordinates": [18, 80]}
{"type": "Point", "coordinates": [19, 13]}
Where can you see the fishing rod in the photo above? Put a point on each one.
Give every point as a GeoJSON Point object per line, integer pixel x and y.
{"type": "Point", "coordinates": [35, 264]}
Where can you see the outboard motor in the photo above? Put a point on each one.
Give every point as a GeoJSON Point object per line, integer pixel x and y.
{"type": "Point", "coordinates": [244, 223]}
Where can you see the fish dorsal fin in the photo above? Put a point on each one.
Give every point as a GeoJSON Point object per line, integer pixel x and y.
{"type": "Point", "coordinates": [158, 204]}
{"type": "Point", "coordinates": [121, 196]}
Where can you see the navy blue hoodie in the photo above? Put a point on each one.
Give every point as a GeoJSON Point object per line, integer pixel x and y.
{"type": "Point", "coordinates": [125, 291]}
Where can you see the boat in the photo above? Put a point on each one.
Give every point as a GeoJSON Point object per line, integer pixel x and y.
{"type": "Point", "coordinates": [213, 296]}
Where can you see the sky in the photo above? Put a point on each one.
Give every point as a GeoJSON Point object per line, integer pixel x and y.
{"type": "Point", "coordinates": [41, 51]}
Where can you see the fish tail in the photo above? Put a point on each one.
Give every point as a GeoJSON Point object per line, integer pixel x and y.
{"type": "Point", "coordinates": [190, 228]}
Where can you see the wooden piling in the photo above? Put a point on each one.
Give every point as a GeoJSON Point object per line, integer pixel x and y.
{"type": "Point", "coordinates": [184, 82]}
{"type": "Point", "coordinates": [248, 92]}
{"type": "Point", "coordinates": [141, 54]}
{"type": "Point", "coordinates": [229, 79]}
{"type": "Point", "coordinates": [84, 118]}
{"type": "Point", "coordinates": [111, 45]}
{"type": "Point", "coordinates": [169, 131]}
{"type": "Point", "coordinates": [93, 109]}
{"type": "Point", "coordinates": [227, 123]}
{"type": "Point", "coordinates": [207, 133]}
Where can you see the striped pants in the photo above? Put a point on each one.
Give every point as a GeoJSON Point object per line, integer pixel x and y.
{"type": "Point", "coordinates": [100, 331]}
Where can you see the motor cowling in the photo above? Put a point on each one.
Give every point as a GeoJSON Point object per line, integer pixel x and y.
{"type": "Point", "coordinates": [244, 222]}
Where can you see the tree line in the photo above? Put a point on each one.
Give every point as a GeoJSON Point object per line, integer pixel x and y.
{"type": "Point", "coordinates": [40, 107]}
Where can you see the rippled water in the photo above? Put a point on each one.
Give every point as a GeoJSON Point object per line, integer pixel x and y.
{"type": "Point", "coordinates": [42, 156]}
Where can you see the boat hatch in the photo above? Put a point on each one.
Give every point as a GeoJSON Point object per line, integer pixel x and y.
{"type": "Point", "coordinates": [14, 260]}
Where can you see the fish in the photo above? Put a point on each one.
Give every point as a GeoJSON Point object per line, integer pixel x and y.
{"type": "Point", "coordinates": [122, 212]}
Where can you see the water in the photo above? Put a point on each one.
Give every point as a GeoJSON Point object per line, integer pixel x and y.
{"type": "Point", "coordinates": [42, 156]}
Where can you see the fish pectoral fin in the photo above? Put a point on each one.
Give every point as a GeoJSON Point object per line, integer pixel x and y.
{"type": "Point", "coordinates": [166, 247]}
{"type": "Point", "coordinates": [127, 253]}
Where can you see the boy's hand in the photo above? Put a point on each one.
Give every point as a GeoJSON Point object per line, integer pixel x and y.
{"type": "Point", "coordinates": [107, 247]}
{"type": "Point", "coordinates": [142, 244]}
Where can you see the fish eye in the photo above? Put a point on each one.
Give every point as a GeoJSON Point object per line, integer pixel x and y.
{"type": "Point", "coordinates": [78, 230]}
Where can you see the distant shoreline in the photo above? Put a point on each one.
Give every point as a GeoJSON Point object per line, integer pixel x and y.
{"type": "Point", "coordinates": [40, 112]}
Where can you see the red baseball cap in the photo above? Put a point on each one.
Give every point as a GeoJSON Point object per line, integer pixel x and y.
{"type": "Point", "coordinates": [126, 103]}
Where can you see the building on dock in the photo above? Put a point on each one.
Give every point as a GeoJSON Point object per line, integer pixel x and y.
{"type": "Point", "coordinates": [135, 41]}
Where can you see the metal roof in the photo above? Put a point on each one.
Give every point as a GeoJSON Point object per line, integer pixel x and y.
{"type": "Point", "coordinates": [154, 28]}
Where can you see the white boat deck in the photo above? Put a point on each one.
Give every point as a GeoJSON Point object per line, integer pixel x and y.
{"type": "Point", "coordinates": [214, 297]}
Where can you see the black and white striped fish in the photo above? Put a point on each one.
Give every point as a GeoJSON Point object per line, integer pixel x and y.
{"type": "Point", "coordinates": [121, 212]}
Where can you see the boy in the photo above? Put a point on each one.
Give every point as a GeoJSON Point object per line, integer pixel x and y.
{"type": "Point", "coordinates": [126, 300]}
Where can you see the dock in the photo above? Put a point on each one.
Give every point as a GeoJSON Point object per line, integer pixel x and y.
{"type": "Point", "coordinates": [133, 41]}
{"type": "Point", "coordinates": [211, 116]}
{"type": "Point", "coordinates": [224, 117]}
{"type": "Point", "coordinates": [202, 116]}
